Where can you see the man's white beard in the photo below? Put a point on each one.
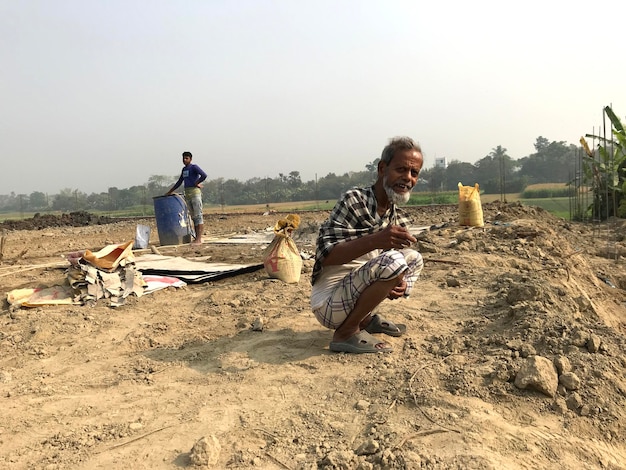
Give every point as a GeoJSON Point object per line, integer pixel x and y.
{"type": "Point", "coordinates": [394, 197]}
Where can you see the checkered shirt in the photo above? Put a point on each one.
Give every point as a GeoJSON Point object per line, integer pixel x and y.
{"type": "Point", "coordinates": [353, 216]}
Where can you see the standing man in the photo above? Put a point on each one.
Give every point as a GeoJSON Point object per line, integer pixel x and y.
{"type": "Point", "coordinates": [192, 175]}
{"type": "Point", "coordinates": [363, 255]}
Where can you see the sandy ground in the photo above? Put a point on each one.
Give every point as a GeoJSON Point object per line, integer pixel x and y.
{"type": "Point", "coordinates": [141, 385]}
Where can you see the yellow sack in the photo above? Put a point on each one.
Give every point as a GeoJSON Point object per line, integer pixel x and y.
{"type": "Point", "coordinates": [282, 259]}
{"type": "Point", "coordinates": [470, 209]}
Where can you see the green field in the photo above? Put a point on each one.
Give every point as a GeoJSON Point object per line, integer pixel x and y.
{"type": "Point", "coordinates": [559, 206]}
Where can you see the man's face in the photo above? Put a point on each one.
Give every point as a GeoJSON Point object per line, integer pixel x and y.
{"type": "Point", "coordinates": [400, 175]}
{"type": "Point", "coordinates": [186, 160]}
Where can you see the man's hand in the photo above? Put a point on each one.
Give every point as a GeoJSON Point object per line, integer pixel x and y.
{"type": "Point", "coordinates": [392, 236]}
{"type": "Point", "coordinates": [397, 291]}
{"type": "Point", "coordinates": [395, 236]}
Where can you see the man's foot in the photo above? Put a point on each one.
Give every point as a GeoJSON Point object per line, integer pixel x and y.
{"type": "Point", "coordinates": [378, 324]}
{"type": "Point", "coordinates": [359, 343]}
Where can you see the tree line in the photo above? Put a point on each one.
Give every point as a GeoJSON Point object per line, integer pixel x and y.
{"type": "Point", "coordinates": [497, 172]}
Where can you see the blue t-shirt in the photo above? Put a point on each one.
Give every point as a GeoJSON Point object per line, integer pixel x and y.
{"type": "Point", "coordinates": [191, 175]}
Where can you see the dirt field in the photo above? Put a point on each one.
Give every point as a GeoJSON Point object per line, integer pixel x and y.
{"type": "Point", "coordinates": [139, 386]}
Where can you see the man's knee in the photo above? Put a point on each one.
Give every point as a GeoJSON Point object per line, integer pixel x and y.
{"type": "Point", "coordinates": [389, 264]}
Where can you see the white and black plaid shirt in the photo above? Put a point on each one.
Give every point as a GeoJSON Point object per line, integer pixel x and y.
{"type": "Point", "coordinates": [353, 216]}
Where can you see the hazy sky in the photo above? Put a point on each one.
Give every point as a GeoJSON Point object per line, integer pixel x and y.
{"type": "Point", "coordinates": [106, 93]}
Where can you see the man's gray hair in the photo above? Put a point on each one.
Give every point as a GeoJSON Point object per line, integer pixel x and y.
{"type": "Point", "coordinates": [398, 143]}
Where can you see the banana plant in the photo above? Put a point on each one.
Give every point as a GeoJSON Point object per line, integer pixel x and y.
{"type": "Point", "coordinates": [607, 169]}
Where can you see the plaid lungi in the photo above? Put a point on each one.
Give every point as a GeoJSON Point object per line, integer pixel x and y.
{"type": "Point", "coordinates": [388, 265]}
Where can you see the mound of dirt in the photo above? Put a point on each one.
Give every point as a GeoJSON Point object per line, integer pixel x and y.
{"type": "Point", "coordinates": [72, 219]}
{"type": "Point", "coordinates": [513, 358]}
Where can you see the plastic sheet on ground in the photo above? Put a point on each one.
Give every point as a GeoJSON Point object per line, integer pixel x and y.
{"type": "Point", "coordinates": [37, 297]}
{"type": "Point", "coordinates": [114, 273]}
{"type": "Point", "coordinates": [155, 282]}
{"type": "Point", "coordinates": [253, 238]}
{"type": "Point", "coordinates": [190, 271]}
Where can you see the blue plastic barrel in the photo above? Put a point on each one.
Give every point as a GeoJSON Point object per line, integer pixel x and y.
{"type": "Point", "coordinates": [172, 220]}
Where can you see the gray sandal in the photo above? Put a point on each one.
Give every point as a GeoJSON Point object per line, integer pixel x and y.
{"type": "Point", "coordinates": [362, 342]}
{"type": "Point", "coordinates": [379, 325]}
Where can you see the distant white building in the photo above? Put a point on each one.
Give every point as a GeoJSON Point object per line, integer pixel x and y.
{"type": "Point", "coordinates": [440, 162]}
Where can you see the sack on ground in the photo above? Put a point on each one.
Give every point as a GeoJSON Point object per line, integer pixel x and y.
{"type": "Point", "coordinates": [470, 208]}
{"type": "Point", "coordinates": [111, 256]}
{"type": "Point", "coordinates": [282, 259]}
